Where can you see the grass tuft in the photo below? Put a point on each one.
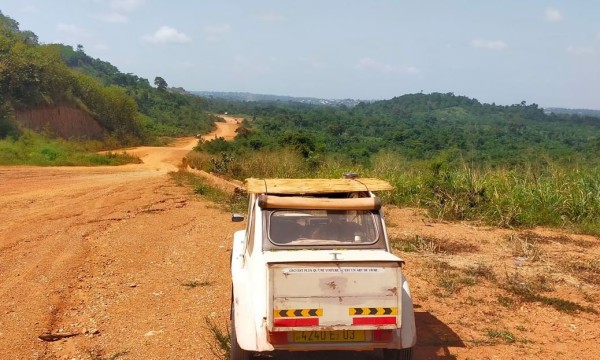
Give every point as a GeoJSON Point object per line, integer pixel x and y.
{"type": "Point", "coordinates": [195, 283]}
{"type": "Point", "coordinates": [481, 271]}
{"type": "Point", "coordinates": [586, 270]}
{"type": "Point", "coordinates": [524, 247]}
{"type": "Point", "coordinates": [504, 335]}
{"type": "Point", "coordinates": [528, 291]}
{"type": "Point", "coordinates": [236, 202]}
{"type": "Point", "coordinates": [430, 244]}
{"type": "Point", "coordinates": [450, 280]}
{"type": "Point", "coordinates": [220, 344]}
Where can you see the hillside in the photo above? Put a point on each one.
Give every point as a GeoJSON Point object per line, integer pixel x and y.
{"type": "Point", "coordinates": [42, 83]}
{"type": "Point", "coordinates": [418, 126]}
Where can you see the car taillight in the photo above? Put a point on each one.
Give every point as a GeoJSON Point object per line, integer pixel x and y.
{"type": "Point", "coordinates": [278, 337]}
{"type": "Point", "coordinates": [382, 335]}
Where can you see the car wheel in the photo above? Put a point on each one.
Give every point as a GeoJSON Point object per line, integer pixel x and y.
{"type": "Point", "coordinates": [236, 352]}
{"type": "Point", "coordinates": [397, 354]}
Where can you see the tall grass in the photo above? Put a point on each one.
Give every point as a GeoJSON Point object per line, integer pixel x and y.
{"type": "Point", "coordinates": [549, 194]}
{"type": "Point", "coordinates": [36, 149]}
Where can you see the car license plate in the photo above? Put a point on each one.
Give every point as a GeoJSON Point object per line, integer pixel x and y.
{"type": "Point", "coordinates": [329, 336]}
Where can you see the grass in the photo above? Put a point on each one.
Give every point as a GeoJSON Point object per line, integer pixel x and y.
{"type": "Point", "coordinates": [416, 243]}
{"type": "Point", "coordinates": [195, 283]}
{"type": "Point", "coordinates": [503, 335]}
{"type": "Point", "coordinates": [39, 150]}
{"type": "Point", "coordinates": [220, 343]}
{"type": "Point", "coordinates": [236, 202]}
{"type": "Point", "coordinates": [449, 280]}
{"type": "Point", "coordinates": [586, 270]}
{"type": "Point", "coordinates": [506, 301]}
{"type": "Point", "coordinates": [481, 271]}
{"type": "Point", "coordinates": [528, 290]}
{"type": "Point", "coordinates": [523, 247]}
{"type": "Point", "coordinates": [430, 244]}
{"type": "Point", "coordinates": [563, 196]}
{"type": "Point", "coordinates": [452, 281]}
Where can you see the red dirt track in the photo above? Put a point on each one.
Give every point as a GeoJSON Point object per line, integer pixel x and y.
{"type": "Point", "coordinates": [102, 253]}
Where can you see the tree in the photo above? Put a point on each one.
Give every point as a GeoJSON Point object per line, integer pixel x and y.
{"type": "Point", "coordinates": [160, 83]}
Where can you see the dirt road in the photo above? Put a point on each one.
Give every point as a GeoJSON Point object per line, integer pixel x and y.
{"type": "Point", "coordinates": [225, 129]}
{"type": "Point", "coordinates": [130, 264]}
{"type": "Point", "coordinates": [105, 254]}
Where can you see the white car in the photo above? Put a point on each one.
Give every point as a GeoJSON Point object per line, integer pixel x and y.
{"type": "Point", "coordinates": [314, 271]}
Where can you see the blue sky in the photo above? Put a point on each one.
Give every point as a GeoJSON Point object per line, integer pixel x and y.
{"type": "Point", "coordinates": [544, 52]}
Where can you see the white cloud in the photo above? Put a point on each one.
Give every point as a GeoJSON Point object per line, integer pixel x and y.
{"type": "Point", "coordinates": [369, 64]}
{"type": "Point", "coordinates": [166, 34]}
{"type": "Point", "coordinates": [552, 15]}
{"type": "Point", "coordinates": [271, 17]}
{"type": "Point", "coordinates": [216, 32]}
{"type": "Point", "coordinates": [489, 44]}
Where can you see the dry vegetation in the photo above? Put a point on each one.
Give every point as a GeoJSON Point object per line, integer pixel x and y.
{"type": "Point", "coordinates": [480, 292]}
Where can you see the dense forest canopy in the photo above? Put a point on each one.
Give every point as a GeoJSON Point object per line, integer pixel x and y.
{"type": "Point", "coordinates": [418, 126]}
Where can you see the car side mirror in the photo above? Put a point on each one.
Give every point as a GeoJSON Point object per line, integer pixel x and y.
{"type": "Point", "coordinates": [237, 217]}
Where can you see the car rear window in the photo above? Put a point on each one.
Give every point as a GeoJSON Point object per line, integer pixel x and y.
{"type": "Point", "coordinates": [322, 227]}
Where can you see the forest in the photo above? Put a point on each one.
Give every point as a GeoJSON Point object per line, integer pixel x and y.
{"type": "Point", "coordinates": [416, 126]}
{"type": "Point", "coordinates": [460, 159]}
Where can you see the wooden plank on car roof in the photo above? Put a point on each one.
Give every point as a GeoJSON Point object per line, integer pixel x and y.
{"type": "Point", "coordinates": [314, 186]}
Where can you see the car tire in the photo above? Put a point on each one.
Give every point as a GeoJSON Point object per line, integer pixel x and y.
{"type": "Point", "coordinates": [236, 352]}
{"type": "Point", "coordinates": [397, 354]}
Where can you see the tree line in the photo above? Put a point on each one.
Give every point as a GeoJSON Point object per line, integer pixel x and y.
{"type": "Point", "coordinates": [416, 126]}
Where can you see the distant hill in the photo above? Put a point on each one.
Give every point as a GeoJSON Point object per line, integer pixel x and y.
{"type": "Point", "coordinates": [250, 97]}
{"type": "Point", "coordinates": [418, 126]}
{"type": "Point", "coordinates": [581, 112]}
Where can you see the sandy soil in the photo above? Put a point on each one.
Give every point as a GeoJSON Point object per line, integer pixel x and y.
{"type": "Point", "coordinates": [131, 264]}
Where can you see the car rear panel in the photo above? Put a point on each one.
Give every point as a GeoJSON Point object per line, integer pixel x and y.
{"type": "Point", "coordinates": [329, 296]}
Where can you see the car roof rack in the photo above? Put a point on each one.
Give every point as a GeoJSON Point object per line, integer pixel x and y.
{"type": "Point", "coordinates": [314, 186]}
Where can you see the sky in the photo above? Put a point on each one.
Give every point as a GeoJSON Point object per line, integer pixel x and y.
{"type": "Point", "coordinates": [503, 52]}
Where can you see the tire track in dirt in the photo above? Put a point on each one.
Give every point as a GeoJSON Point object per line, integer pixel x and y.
{"type": "Point", "coordinates": [103, 253]}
